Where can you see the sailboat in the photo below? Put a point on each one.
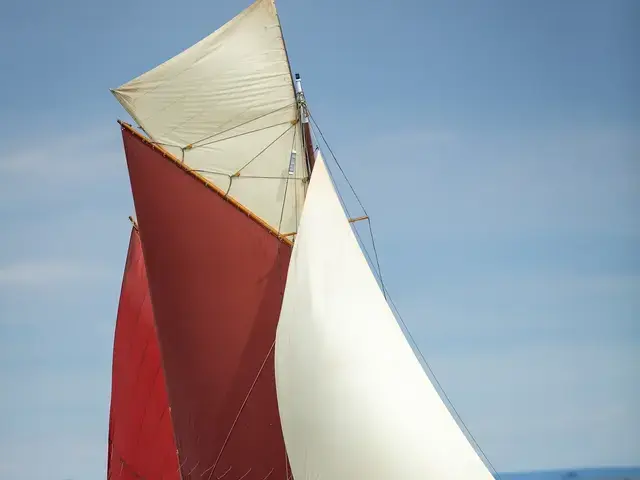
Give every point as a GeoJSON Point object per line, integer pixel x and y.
{"type": "Point", "coordinates": [253, 341]}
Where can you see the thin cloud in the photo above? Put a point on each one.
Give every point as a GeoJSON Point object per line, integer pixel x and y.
{"type": "Point", "coordinates": [61, 157]}
{"type": "Point", "coordinates": [63, 454]}
{"type": "Point", "coordinates": [485, 183]}
{"type": "Point", "coordinates": [47, 273]}
{"type": "Point", "coordinates": [61, 169]}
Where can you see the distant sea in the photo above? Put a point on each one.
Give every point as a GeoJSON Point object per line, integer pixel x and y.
{"type": "Point", "coordinates": [625, 473]}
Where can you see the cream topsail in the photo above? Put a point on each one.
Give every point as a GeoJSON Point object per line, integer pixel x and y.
{"type": "Point", "coordinates": [354, 401]}
{"type": "Point", "coordinates": [227, 107]}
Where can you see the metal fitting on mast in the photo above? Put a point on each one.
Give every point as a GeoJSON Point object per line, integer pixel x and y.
{"type": "Point", "coordinates": [302, 104]}
{"type": "Point", "coordinates": [298, 84]}
{"type": "Point", "coordinates": [306, 126]}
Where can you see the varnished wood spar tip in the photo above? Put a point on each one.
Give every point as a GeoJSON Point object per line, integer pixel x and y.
{"type": "Point", "coordinates": [351, 220]}
{"type": "Point", "coordinates": [133, 222]}
{"type": "Point", "coordinates": [205, 182]}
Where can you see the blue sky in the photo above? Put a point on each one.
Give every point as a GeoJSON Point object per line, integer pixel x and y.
{"type": "Point", "coordinates": [495, 144]}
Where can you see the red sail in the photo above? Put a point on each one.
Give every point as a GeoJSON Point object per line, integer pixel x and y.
{"type": "Point", "coordinates": [216, 278]}
{"type": "Point", "coordinates": [141, 443]}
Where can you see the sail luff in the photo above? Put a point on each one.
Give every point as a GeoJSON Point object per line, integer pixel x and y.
{"type": "Point", "coordinates": [354, 400]}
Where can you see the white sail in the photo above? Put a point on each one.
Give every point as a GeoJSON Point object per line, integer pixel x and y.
{"type": "Point", "coordinates": [227, 107]}
{"type": "Point", "coordinates": [354, 401]}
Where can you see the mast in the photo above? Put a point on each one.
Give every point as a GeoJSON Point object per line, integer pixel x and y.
{"type": "Point", "coordinates": [306, 127]}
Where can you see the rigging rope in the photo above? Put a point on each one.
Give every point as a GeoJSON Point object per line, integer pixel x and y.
{"type": "Point", "coordinates": [286, 186]}
{"type": "Point", "coordinates": [264, 149]}
{"type": "Point", "coordinates": [212, 468]}
{"type": "Point", "coordinates": [344, 205]}
{"type": "Point", "coordinates": [244, 403]}
{"type": "Point", "coordinates": [241, 124]}
{"type": "Point", "coordinates": [387, 296]}
{"type": "Point", "coordinates": [194, 145]}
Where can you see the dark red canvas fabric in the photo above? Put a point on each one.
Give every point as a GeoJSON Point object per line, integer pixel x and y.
{"type": "Point", "coordinates": [141, 442]}
{"type": "Point", "coordinates": [216, 279]}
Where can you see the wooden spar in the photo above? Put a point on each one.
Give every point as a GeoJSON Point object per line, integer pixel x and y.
{"type": "Point", "coordinates": [308, 143]}
{"type": "Point", "coordinates": [205, 182]}
{"type": "Point", "coordinates": [351, 220]}
{"type": "Point", "coordinates": [133, 222]}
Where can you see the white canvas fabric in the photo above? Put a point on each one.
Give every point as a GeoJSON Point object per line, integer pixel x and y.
{"type": "Point", "coordinates": [354, 400]}
{"type": "Point", "coordinates": [226, 106]}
